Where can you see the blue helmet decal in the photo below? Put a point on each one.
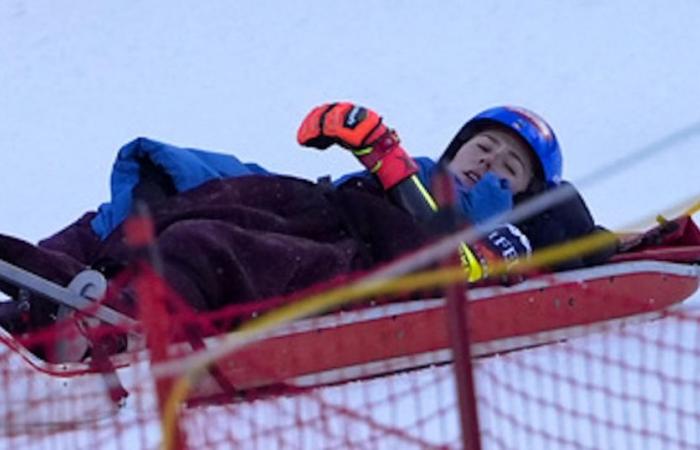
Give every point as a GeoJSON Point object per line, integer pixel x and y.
{"type": "Point", "coordinates": [525, 123]}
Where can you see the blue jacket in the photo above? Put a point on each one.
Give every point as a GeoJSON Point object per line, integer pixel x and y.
{"type": "Point", "coordinates": [189, 168]}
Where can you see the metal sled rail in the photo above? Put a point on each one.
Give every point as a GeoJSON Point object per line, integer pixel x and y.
{"type": "Point", "coordinates": [61, 295]}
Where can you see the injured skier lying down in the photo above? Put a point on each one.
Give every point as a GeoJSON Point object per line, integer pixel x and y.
{"type": "Point", "coordinates": [229, 232]}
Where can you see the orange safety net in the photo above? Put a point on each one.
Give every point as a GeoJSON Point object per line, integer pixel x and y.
{"type": "Point", "coordinates": [609, 386]}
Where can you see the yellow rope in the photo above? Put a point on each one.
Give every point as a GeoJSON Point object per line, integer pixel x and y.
{"type": "Point", "coordinates": [311, 305]}
{"type": "Point", "coordinates": [692, 210]}
{"type": "Point", "coordinates": [361, 289]}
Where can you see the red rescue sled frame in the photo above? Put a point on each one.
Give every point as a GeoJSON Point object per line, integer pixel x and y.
{"type": "Point", "coordinates": [410, 335]}
{"type": "Point", "coordinates": [414, 334]}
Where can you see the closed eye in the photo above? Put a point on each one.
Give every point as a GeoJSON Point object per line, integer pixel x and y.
{"type": "Point", "coordinates": [517, 161]}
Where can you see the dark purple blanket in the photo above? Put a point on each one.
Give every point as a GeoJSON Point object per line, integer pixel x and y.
{"type": "Point", "coordinates": [240, 239]}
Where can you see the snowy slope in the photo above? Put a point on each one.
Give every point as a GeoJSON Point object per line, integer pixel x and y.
{"type": "Point", "coordinates": [79, 79]}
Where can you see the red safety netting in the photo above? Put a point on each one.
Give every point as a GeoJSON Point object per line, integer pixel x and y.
{"type": "Point", "coordinates": [375, 375]}
{"type": "Point", "coordinates": [621, 387]}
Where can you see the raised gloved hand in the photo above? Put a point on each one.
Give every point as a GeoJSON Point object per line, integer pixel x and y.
{"type": "Point", "coordinates": [360, 130]}
{"type": "Point", "coordinates": [495, 254]}
{"type": "Point", "coordinates": [487, 198]}
{"type": "Point", "coordinates": [351, 126]}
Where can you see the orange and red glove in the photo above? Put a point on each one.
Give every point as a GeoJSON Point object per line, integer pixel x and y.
{"type": "Point", "coordinates": [360, 130]}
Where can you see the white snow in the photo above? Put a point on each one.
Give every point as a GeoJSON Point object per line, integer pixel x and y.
{"type": "Point", "coordinates": [78, 79]}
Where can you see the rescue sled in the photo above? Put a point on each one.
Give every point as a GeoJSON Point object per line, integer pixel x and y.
{"type": "Point", "coordinates": [653, 276]}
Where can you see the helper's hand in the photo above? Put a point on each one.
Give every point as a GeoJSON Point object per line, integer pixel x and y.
{"type": "Point", "coordinates": [496, 254]}
{"type": "Point", "coordinates": [487, 198]}
{"type": "Point", "coordinates": [360, 130]}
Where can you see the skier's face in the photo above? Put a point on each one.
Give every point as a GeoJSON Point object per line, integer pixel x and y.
{"type": "Point", "coordinates": [496, 151]}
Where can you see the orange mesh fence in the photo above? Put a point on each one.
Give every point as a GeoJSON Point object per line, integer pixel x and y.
{"type": "Point", "coordinates": [632, 386]}
{"type": "Point", "coordinates": [54, 404]}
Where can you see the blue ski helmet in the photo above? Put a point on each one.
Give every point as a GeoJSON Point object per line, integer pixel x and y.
{"type": "Point", "coordinates": [526, 124]}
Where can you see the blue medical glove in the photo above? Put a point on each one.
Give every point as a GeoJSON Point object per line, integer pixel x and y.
{"type": "Point", "coordinates": [487, 198]}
